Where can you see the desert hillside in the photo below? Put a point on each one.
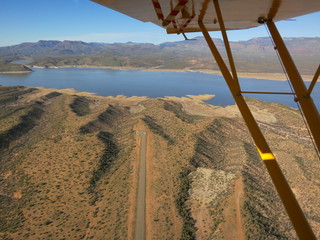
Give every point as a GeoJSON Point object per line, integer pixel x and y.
{"type": "Point", "coordinates": [69, 165]}
{"type": "Point", "coordinates": [13, 68]}
{"type": "Point", "coordinates": [256, 55]}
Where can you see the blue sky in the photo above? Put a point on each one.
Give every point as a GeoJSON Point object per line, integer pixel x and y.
{"type": "Point", "coordinates": [33, 20]}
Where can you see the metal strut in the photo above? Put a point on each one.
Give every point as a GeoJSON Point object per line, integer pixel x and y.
{"type": "Point", "coordinates": [227, 45]}
{"type": "Point", "coordinates": [314, 80]}
{"type": "Point", "coordinates": [308, 107]}
{"type": "Point", "coordinates": [278, 93]}
{"type": "Point", "coordinates": [288, 199]}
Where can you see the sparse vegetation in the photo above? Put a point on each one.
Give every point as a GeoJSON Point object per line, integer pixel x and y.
{"type": "Point", "coordinates": [188, 229]}
{"type": "Point", "coordinates": [80, 105]}
{"type": "Point", "coordinates": [12, 94]}
{"type": "Point", "coordinates": [106, 118]}
{"type": "Point", "coordinates": [157, 129]}
{"type": "Point", "coordinates": [27, 122]}
{"type": "Point", "coordinates": [59, 183]}
{"type": "Point", "coordinates": [6, 67]}
{"type": "Point", "coordinates": [176, 108]}
{"type": "Point", "coordinates": [308, 171]}
{"type": "Point", "coordinates": [51, 95]}
{"type": "Point", "coordinates": [109, 155]}
{"type": "Point", "coordinates": [260, 202]}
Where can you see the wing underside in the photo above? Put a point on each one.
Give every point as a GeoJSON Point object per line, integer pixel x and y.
{"type": "Point", "coordinates": [237, 14]}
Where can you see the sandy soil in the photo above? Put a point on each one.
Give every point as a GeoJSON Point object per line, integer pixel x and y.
{"type": "Point", "coordinates": [202, 97]}
{"type": "Point", "coordinates": [60, 161]}
{"type": "Point", "coordinates": [207, 186]}
{"type": "Point", "coordinates": [134, 184]}
{"type": "Point", "coordinates": [149, 193]}
{"type": "Point", "coordinates": [154, 201]}
{"type": "Point", "coordinates": [16, 72]}
{"type": "Point", "coordinates": [204, 219]}
{"type": "Point", "coordinates": [232, 228]}
{"type": "Point", "coordinates": [141, 196]}
{"type": "Point", "coordinates": [267, 76]}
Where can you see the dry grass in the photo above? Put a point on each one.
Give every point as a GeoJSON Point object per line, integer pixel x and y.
{"type": "Point", "coordinates": [46, 172]}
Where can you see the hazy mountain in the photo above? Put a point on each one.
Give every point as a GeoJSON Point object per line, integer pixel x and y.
{"type": "Point", "coordinates": [254, 55]}
{"type": "Point", "coordinates": [50, 48]}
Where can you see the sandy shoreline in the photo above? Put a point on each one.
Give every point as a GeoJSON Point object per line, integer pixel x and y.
{"type": "Point", "coordinates": [267, 76]}
{"type": "Point", "coordinates": [72, 91]}
{"type": "Point", "coordinates": [16, 72]}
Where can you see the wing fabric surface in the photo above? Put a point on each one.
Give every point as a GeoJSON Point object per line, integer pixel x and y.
{"type": "Point", "coordinates": [237, 14]}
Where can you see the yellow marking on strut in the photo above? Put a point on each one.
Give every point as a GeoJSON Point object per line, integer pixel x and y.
{"type": "Point", "coordinates": [266, 156]}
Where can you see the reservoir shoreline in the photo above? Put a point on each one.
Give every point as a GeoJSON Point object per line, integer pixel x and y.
{"type": "Point", "coordinates": [152, 84]}
{"type": "Point", "coordinates": [266, 76]}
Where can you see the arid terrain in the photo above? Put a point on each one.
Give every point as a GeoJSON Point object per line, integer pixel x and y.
{"type": "Point", "coordinates": [69, 166]}
{"type": "Point", "coordinates": [253, 56]}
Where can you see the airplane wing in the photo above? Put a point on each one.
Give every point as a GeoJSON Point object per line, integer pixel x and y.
{"type": "Point", "coordinates": [237, 14]}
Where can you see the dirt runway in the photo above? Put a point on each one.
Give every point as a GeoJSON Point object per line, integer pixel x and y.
{"type": "Point", "coordinates": [140, 230]}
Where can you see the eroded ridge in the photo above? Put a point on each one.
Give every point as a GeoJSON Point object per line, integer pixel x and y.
{"type": "Point", "coordinates": [75, 176]}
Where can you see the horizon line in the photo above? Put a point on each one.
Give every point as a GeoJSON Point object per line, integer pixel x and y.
{"type": "Point", "coordinates": [99, 42]}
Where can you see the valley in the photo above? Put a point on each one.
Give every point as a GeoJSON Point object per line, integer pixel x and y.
{"type": "Point", "coordinates": [70, 165]}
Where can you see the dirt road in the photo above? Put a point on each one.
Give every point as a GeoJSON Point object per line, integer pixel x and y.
{"type": "Point", "coordinates": [140, 231]}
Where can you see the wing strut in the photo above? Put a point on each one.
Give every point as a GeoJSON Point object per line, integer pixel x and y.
{"type": "Point", "coordinates": [314, 80]}
{"type": "Point", "coordinates": [180, 30]}
{"type": "Point", "coordinates": [308, 107]}
{"type": "Point", "coordinates": [288, 199]}
{"type": "Point", "coordinates": [227, 45]}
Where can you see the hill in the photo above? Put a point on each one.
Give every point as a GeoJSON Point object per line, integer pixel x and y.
{"type": "Point", "coordinates": [69, 168]}
{"type": "Point", "coordinates": [42, 49]}
{"type": "Point", "coordinates": [6, 67]}
{"type": "Point", "coordinates": [255, 55]}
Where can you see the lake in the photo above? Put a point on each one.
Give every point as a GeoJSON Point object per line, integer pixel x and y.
{"type": "Point", "coordinates": [109, 82]}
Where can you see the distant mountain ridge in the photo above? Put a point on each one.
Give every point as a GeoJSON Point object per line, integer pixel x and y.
{"type": "Point", "coordinates": [50, 48]}
{"type": "Point", "coordinates": [254, 55]}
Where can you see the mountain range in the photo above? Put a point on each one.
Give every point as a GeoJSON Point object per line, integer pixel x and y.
{"type": "Point", "coordinates": [256, 55]}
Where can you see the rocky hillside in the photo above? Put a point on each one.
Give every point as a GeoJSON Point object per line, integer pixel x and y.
{"type": "Point", "coordinates": [256, 55]}
{"type": "Point", "coordinates": [49, 48]}
{"type": "Point", "coordinates": [69, 168]}
{"type": "Point", "coordinates": [6, 67]}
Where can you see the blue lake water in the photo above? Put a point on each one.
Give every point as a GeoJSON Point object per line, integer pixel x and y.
{"type": "Point", "coordinates": [109, 82]}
